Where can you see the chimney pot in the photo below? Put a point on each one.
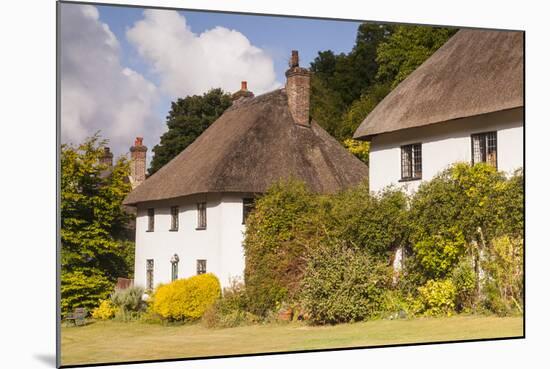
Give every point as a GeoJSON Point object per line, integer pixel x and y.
{"type": "Point", "coordinates": [243, 92]}
{"type": "Point", "coordinates": [294, 59]}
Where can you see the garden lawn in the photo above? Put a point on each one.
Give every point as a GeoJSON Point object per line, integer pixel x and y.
{"type": "Point", "coordinates": [109, 341]}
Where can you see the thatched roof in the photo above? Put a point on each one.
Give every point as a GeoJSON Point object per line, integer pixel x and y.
{"type": "Point", "coordinates": [475, 72]}
{"type": "Point", "coordinates": [253, 144]}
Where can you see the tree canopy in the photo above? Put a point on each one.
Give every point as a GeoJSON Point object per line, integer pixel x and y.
{"type": "Point", "coordinates": [186, 120]}
{"type": "Point", "coordinates": [94, 227]}
{"type": "Point", "coordinates": [347, 87]}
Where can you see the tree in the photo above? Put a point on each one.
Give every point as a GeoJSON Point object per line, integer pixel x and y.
{"type": "Point", "coordinates": [406, 49]}
{"type": "Point", "coordinates": [339, 80]}
{"type": "Point", "coordinates": [347, 87]}
{"type": "Point", "coordinates": [94, 238]}
{"type": "Point", "coordinates": [188, 119]}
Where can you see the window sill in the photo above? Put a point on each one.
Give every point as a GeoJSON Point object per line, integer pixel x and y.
{"type": "Point", "coordinates": [410, 179]}
{"type": "Point", "coordinates": [150, 230]}
{"type": "Point", "coordinates": [200, 228]}
{"type": "Point", "coordinates": [173, 230]}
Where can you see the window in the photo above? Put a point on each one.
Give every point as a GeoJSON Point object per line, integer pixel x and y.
{"type": "Point", "coordinates": [248, 206]}
{"type": "Point", "coordinates": [174, 212]}
{"type": "Point", "coordinates": [411, 162]}
{"type": "Point", "coordinates": [201, 211]}
{"type": "Point", "coordinates": [175, 262]}
{"type": "Point", "coordinates": [149, 274]}
{"type": "Point", "coordinates": [201, 266]}
{"type": "Point", "coordinates": [151, 220]}
{"type": "Point", "coordinates": [484, 148]}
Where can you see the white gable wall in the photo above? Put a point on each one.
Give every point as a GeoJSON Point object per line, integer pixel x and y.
{"type": "Point", "coordinates": [220, 244]}
{"type": "Point", "coordinates": [444, 144]}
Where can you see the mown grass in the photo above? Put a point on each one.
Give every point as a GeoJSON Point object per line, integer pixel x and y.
{"type": "Point", "coordinates": [112, 341]}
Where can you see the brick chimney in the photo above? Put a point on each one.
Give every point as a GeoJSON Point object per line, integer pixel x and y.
{"type": "Point", "coordinates": [107, 158]}
{"type": "Point", "coordinates": [243, 92]}
{"type": "Point", "coordinates": [138, 154]}
{"type": "Point", "coordinates": [297, 90]}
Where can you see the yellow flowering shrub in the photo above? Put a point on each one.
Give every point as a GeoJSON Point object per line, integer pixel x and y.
{"type": "Point", "coordinates": [186, 299]}
{"type": "Point", "coordinates": [105, 310]}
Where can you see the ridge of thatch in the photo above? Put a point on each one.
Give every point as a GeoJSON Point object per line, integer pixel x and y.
{"type": "Point", "coordinates": [252, 145]}
{"type": "Point", "coordinates": [475, 72]}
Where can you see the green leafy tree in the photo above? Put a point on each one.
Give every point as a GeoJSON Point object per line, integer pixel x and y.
{"type": "Point", "coordinates": [406, 49]}
{"type": "Point", "coordinates": [188, 119]}
{"type": "Point", "coordinates": [347, 87]}
{"type": "Point", "coordinates": [94, 234]}
{"type": "Point", "coordinates": [339, 80]}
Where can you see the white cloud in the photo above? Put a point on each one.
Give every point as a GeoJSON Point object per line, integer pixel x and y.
{"type": "Point", "coordinates": [189, 63]}
{"type": "Point", "coordinates": [97, 92]}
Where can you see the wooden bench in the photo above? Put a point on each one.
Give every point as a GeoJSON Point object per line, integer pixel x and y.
{"type": "Point", "coordinates": [77, 316]}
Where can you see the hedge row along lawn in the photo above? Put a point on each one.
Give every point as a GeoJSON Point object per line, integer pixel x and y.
{"type": "Point", "coordinates": [111, 341]}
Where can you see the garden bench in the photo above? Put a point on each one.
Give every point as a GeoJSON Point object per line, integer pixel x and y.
{"type": "Point", "coordinates": [78, 315]}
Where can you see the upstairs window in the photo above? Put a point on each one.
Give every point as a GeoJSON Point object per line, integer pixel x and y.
{"type": "Point", "coordinates": [150, 220]}
{"type": "Point", "coordinates": [484, 148]}
{"type": "Point", "coordinates": [411, 162]}
{"type": "Point", "coordinates": [201, 212]}
{"type": "Point", "coordinates": [174, 213]}
{"type": "Point", "coordinates": [201, 266]}
{"type": "Point", "coordinates": [248, 206]}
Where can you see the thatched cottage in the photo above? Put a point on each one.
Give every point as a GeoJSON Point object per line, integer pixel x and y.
{"type": "Point", "coordinates": [465, 103]}
{"type": "Point", "coordinates": [191, 213]}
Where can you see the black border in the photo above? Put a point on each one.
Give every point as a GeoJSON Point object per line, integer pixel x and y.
{"type": "Point", "coordinates": [58, 192]}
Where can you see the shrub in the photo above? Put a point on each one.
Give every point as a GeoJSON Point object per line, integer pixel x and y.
{"type": "Point", "coordinates": [186, 299]}
{"type": "Point", "coordinates": [83, 288]}
{"type": "Point", "coordinates": [438, 254]}
{"type": "Point", "coordinates": [464, 279]}
{"type": "Point", "coordinates": [231, 309]}
{"type": "Point", "coordinates": [105, 310]}
{"type": "Point", "coordinates": [503, 282]}
{"type": "Point", "coordinates": [436, 298]}
{"type": "Point", "coordinates": [396, 305]}
{"type": "Point", "coordinates": [375, 223]}
{"type": "Point", "coordinates": [276, 238]}
{"type": "Point", "coordinates": [129, 302]}
{"type": "Point", "coordinates": [342, 284]}
{"type": "Point", "coordinates": [462, 207]}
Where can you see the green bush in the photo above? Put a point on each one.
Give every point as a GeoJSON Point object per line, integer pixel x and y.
{"type": "Point", "coordinates": [129, 303]}
{"type": "Point", "coordinates": [436, 298]}
{"type": "Point", "coordinates": [83, 288]}
{"type": "Point", "coordinates": [464, 279]}
{"type": "Point", "coordinates": [461, 209]}
{"type": "Point", "coordinates": [275, 242]}
{"type": "Point", "coordinates": [375, 223]}
{"type": "Point", "coordinates": [186, 299]}
{"type": "Point", "coordinates": [438, 254]}
{"type": "Point", "coordinates": [230, 310]}
{"type": "Point", "coordinates": [503, 282]}
{"type": "Point", "coordinates": [342, 284]}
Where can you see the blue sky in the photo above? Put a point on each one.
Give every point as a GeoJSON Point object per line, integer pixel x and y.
{"type": "Point", "coordinates": [122, 66]}
{"type": "Point", "coordinates": [277, 35]}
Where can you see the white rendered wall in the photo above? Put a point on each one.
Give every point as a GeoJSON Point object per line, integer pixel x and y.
{"type": "Point", "coordinates": [444, 144]}
{"type": "Point", "coordinates": [220, 244]}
